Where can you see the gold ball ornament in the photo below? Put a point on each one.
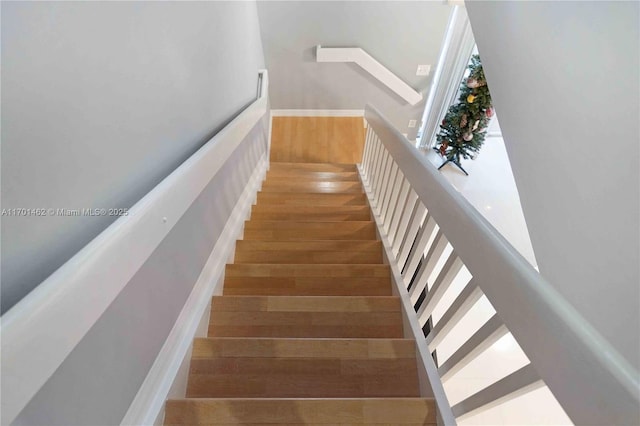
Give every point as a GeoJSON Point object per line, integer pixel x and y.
{"type": "Point", "coordinates": [471, 98]}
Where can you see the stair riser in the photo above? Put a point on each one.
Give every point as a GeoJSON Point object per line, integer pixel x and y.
{"type": "Point", "coordinates": [319, 378]}
{"type": "Point", "coordinates": [311, 245]}
{"type": "Point", "coordinates": [313, 286]}
{"type": "Point", "coordinates": [305, 304]}
{"type": "Point", "coordinates": [298, 231]}
{"type": "Point", "coordinates": [309, 209]}
{"type": "Point", "coordinates": [414, 411]}
{"type": "Point", "coordinates": [307, 271]}
{"type": "Point", "coordinates": [315, 167]}
{"type": "Point", "coordinates": [306, 199]}
{"type": "Point", "coordinates": [360, 349]}
{"type": "Point", "coordinates": [310, 217]}
{"type": "Point", "coordinates": [318, 252]}
{"type": "Point", "coordinates": [298, 386]}
{"type": "Point", "coordinates": [306, 324]}
{"type": "Point", "coordinates": [317, 187]}
{"type": "Point", "coordinates": [314, 176]}
{"type": "Point", "coordinates": [317, 257]}
{"type": "Point", "coordinates": [341, 332]}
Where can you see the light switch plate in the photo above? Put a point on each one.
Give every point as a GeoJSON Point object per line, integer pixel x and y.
{"type": "Point", "coordinates": [423, 70]}
{"type": "Point", "coordinates": [412, 124]}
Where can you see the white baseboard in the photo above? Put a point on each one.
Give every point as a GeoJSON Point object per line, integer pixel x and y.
{"type": "Point", "coordinates": [168, 375]}
{"type": "Point", "coordinates": [317, 113]}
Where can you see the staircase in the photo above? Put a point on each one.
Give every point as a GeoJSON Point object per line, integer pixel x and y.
{"type": "Point", "coordinates": [307, 331]}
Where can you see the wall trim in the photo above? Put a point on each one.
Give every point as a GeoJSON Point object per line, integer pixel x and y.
{"type": "Point", "coordinates": [372, 66]}
{"type": "Point", "coordinates": [148, 405]}
{"type": "Point", "coordinates": [317, 113]}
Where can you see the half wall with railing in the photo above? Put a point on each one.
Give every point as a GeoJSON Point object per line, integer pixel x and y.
{"type": "Point", "coordinates": [104, 339]}
{"type": "Point", "coordinates": [431, 234]}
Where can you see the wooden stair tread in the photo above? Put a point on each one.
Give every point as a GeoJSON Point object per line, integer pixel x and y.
{"type": "Point", "coordinates": [286, 180]}
{"type": "Point", "coordinates": [303, 368]}
{"type": "Point", "coordinates": [307, 279]}
{"type": "Point", "coordinates": [237, 347]}
{"type": "Point", "coordinates": [309, 230]}
{"type": "Point", "coordinates": [311, 213]}
{"type": "Point", "coordinates": [309, 245]}
{"type": "Point", "coordinates": [349, 304]}
{"type": "Point", "coordinates": [313, 186]}
{"type": "Point", "coordinates": [307, 286]}
{"type": "Point", "coordinates": [311, 198]}
{"type": "Point", "coordinates": [310, 209]}
{"type": "Point", "coordinates": [312, 175]}
{"type": "Point", "coordinates": [318, 167]}
{"type": "Point", "coordinates": [309, 378]}
{"type": "Point", "coordinates": [315, 251]}
{"type": "Point", "coordinates": [307, 270]}
{"type": "Point", "coordinates": [324, 216]}
{"type": "Point", "coordinates": [307, 411]}
{"type": "Point", "coordinates": [261, 323]}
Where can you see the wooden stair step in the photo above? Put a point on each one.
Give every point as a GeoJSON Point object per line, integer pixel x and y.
{"type": "Point", "coordinates": [247, 347]}
{"type": "Point", "coordinates": [286, 180]}
{"type": "Point", "coordinates": [306, 324]}
{"type": "Point", "coordinates": [311, 198]}
{"type": "Point", "coordinates": [316, 167]}
{"type": "Point", "coordinates": [317, 251]}
{"type": "Point", "coordinates": [301, 411]}
{"type": "Point", "coordinates": [312, 217]}
{"type": "Point", "coordinates": [307, 271]}
{"type": "Point", "coordinates": [299, 316]}
{"type": "Point", "coordinates": [335, 368]}
{"type": "Point", "coordinates": [300, 230]}
{"type": "Point", "coordinates": [312, 175]}
{"type": "Point", "coordinates": [305, 304]}
{"type": "Point", "coordinates": [313, 186]}
{"type": "Point", "coordinates": [306, 214]}
{"type": "Point", "coordinates": [307, 279]}
{"type": "Point", "coordinates": [310, 209]}
{"type": "Point", "coordinates": [307, 286]}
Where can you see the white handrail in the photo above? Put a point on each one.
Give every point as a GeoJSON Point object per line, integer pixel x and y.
{"type": "Point", "coordinates": [41, 330]}
{"type": "Point", "coordinates": [591, 380]}
{"type": "Point", "coordinates": [373, 67]}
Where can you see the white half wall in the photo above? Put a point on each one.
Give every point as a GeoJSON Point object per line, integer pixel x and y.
{"type": "Point", "coordinates": [564, 80]}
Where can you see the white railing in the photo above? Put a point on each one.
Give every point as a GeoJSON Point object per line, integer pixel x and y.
{"type": "Point", "coordinates": [41, 330]}
{"type": "Point", "coordinates": [419, 214]}
{"type": "Point", "coordinates": [370, 65]}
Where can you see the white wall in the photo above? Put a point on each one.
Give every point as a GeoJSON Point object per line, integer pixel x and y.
{"type": "Point", "coordinates": [564, 80]}
{"type": "Point", "coordinates": [100, 101]}
{"type": "Point", "coordinates": [102, 375]}
{"type": "Point", "coordinates": [399, 34]}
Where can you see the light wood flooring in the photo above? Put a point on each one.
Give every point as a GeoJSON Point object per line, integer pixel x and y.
{"type": "Point", "coordinates": [317, 140]}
